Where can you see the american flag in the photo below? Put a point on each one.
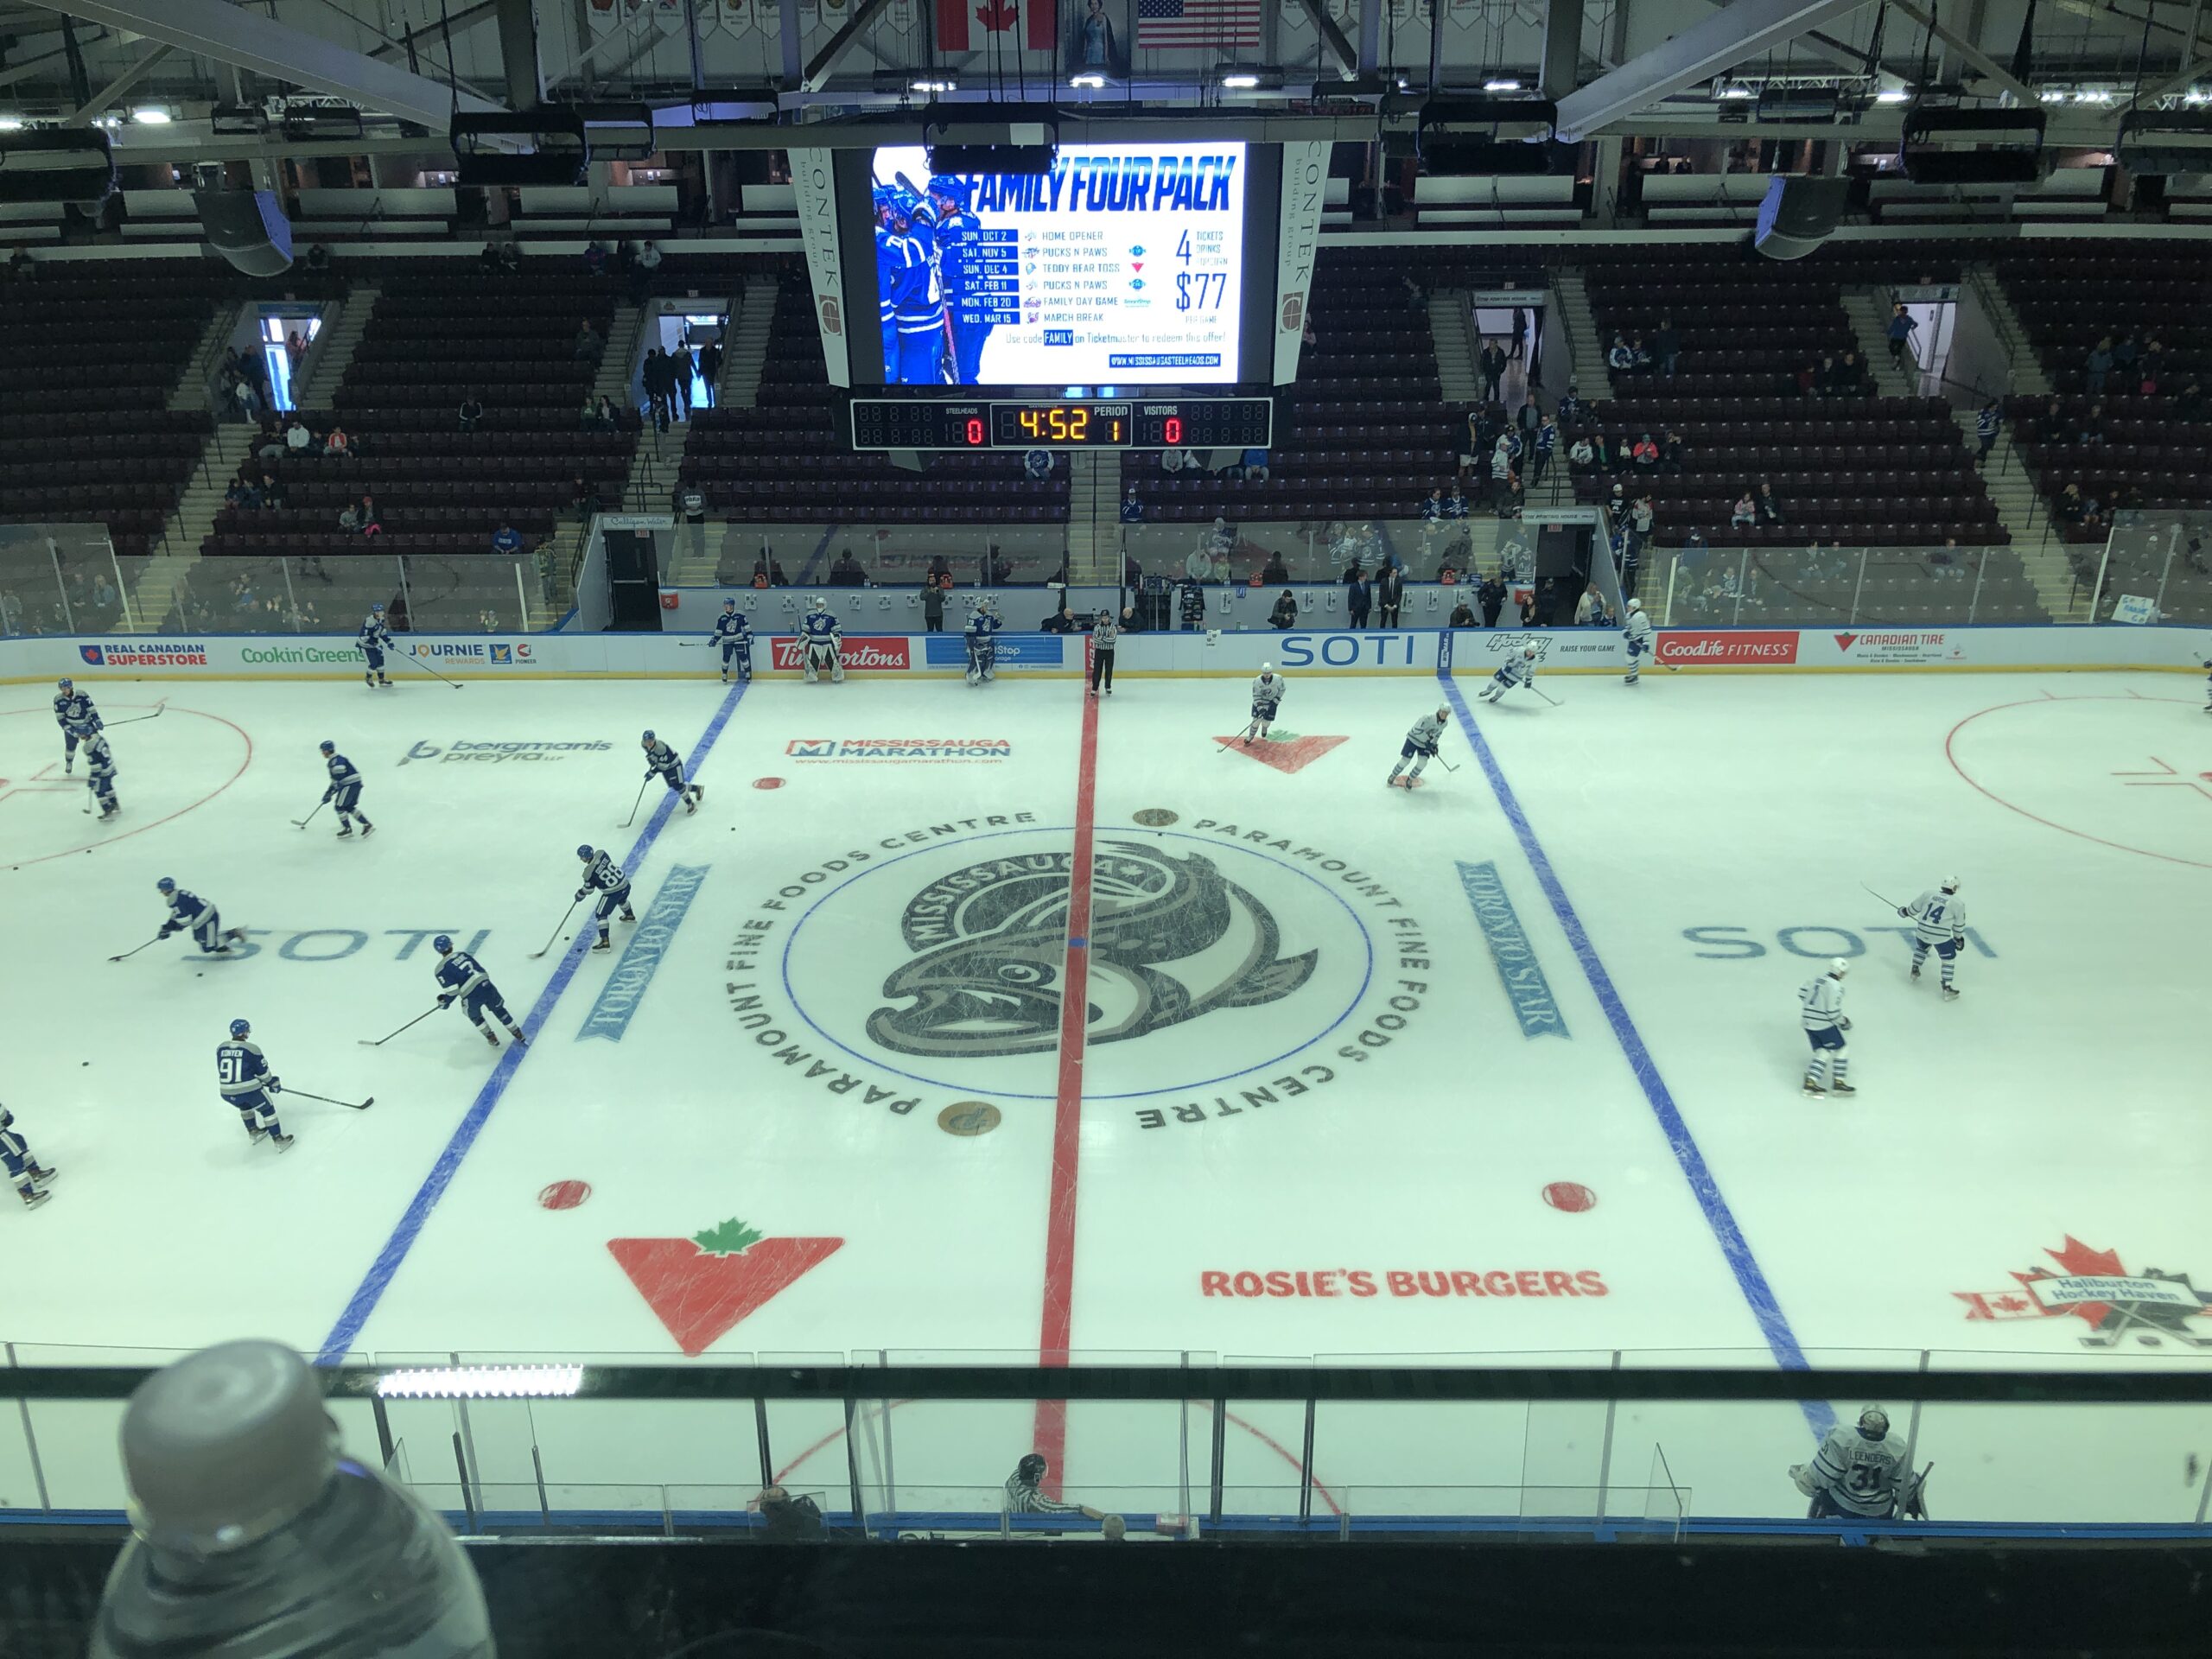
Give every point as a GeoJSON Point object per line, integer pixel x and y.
{"type": "Point", "coordinates": [1165, 24]}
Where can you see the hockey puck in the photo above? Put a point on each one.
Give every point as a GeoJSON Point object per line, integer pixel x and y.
{"type": "Point", "coordinates": [1570, 1195]}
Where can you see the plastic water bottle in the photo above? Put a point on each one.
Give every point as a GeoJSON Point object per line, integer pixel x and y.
{"type": "Point", "coordinates": [258, 1539]}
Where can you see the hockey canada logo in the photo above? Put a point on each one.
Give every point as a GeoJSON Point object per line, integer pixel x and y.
{"type": "Point", "coordinates": [2093, 1287]}
{"type": "Point", "coordinates": [990, 941]}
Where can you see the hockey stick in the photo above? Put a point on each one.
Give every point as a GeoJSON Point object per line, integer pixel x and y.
{"type": "Point", "coordinates": [355, 1105]}
{"type": "Point", "coordinates": [1891, 903]}
{"type": "Point", "coordinates": [639, 802]}
{"type": "Point", "coordinates": [302, 824]}
{"type": "Point", "coordinates": [1546, 697]}
{"type": "Point", "coordinates": [378, 1042]}
{"type": "Point", "coordinates": [135, 950]}
{"type": "Point", "coordinates": [555, 934]}
{"type": "Point", "coordinates": [1914, 1505]}
{"type": "Point", "coordinates": [135, 719]}
{"type": "Point", "coordinates": [435, 675]}
{"type": "Point", "coordinates": [1446, 764]}
{"type": "Point", "coordinates": [692, 644]}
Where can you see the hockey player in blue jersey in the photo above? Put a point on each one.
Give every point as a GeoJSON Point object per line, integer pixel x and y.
{"type": "Point", "coordinates": [75, 714]}
{"type": "Point", "coordinates": [603, 876]}
{"type": "Point", "coordinates": [916, 299]}
{"type": "Point", "coordinates": [665, 763]}
{"type": "Point", "coordinates": [821, 642]}
{"type": "Point", "coordinates": [983, 641]}
{"type": "Point", "coordinates": [24, 1170]}
{"type": "Point", "coordinates": [1267, 698]}
{"type": "Point", "coordinates": [466, 981]}
{"type": "Point", "coordinates": [1823, 1018]}
{"type": "Point", "coordinates": [241, 1074]}
{"type": "Point", "coordinates": [99, 774]}
{"type": "Point", "coordinates": [961, 270]}
{"type": "Point", "coordinates": [1421, 746]}
{"type": "Point", "coordinates": [1939, 922]}
{"type": "Point", "coordinates": [344, 791]}
{"type": "Point", "coordinates": [1516, 671]}
{"type": "Point", "coordinates": [375, 640]}
{"type": "Point", "coordinates": [2208, 686]}
{"type": "Point", "coordinates": [189, 911]}
{"type": "Point", "coordinates": [886, 269]}
{"type": "Point", "coordinates": [733, 632]}
{"type": "Point", "coordinates": [1637, 630]}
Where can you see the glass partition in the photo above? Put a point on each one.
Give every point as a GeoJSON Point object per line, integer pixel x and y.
{"type": "Point", "coordinates": [858, 554]}
{"type": "Point", "coordinates": [309, 593]}
{"type": "Point", "coordinates": [1836, 586]}
{"type": "Point", "coordinates": [2161, 560]}
{"type": "Point", "coordinates": [62, 578]}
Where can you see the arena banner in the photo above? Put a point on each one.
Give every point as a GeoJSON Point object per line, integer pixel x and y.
{"type": "Point", "coordinates": [815, 179]}
{"type": "Point", "coordinates": [1305, 186]}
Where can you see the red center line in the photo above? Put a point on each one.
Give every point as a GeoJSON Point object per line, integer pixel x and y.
{"type": "Point", "coordinates": [1051, 1433]}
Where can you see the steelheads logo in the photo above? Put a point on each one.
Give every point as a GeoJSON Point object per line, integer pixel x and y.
{"type": "Point", "coordinates": [991, 939]}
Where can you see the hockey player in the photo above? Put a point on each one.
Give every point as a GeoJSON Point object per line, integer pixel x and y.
{"type": "Point", "coordinates": [75, 714]}
{"type": "Point", "coordinates": [667, 765]}
{"type": "Point", "coordinates": [1637, 630]}
{"type": "Point", "coordinates": [822, 641]}
{"type": "Point", "coordinates": [23, 1168]}
{"type": "Point", "coordinates": [99, 772]}
{"type": "Point", "coordinates": [190, 911]}
{"type": "Point", "coordinates": [1267, 698]}
{"type": "Point", "coordinates": [733, 632]}
{"type": "Point", "coordinates": [982, 642]}
{"type": "Point", "coordinates": [604, 877]}
{"type": "Point", "coordinates": [962, 270]}
{"type": "Point", "coordinates": [2208, 685]}
{"type": "Point", "coordinates": [346, 790]}
{"type": "Point", "coordinates": [887, 274]}
{"type": "Point", "coordinates": [916, 299]}
{"type": "Point", "coordinates": [464, 978]}
{"type": "Point", "coordinates": [1516, 671]}
{"type": "Point", "coordinates": [1939, 919]}
{"type": "Point", "coordinates": [375, 640]}
{"type": "Point", "coordinates": [242, 1073]}
{"type": "Point", "coordinates": [1859, 1473]}
{"type": "Point", "coordinates": [1421, 746]}
{"type": "Point", "coordinates": [1825, 1023]}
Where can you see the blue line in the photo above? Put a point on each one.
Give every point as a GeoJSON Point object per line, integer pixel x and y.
{"type": "Point", "coordinates": [334, 1347]}
{"type": "Point", "coordinates": [1750, 1279]}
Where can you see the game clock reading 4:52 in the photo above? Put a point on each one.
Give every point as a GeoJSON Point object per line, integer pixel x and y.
{"type": "Point", "coordinates": [1190, 422]}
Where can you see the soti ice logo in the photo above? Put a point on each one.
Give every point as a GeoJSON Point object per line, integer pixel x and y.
{"type": "Point", "coordinates": [990, 940]}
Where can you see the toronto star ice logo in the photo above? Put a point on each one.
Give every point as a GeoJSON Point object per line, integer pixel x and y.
{"type": "Point", "coordinates": [990, 941]}
{"type": "Point", "coordinates": [2093, 1286]}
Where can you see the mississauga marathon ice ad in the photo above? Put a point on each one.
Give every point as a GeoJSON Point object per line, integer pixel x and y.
{"type": "Point", "coordinates": [1123, 266]}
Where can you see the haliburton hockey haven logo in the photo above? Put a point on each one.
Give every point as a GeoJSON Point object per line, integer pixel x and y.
{"type": "Point", "coordinates": [2092, 1285]}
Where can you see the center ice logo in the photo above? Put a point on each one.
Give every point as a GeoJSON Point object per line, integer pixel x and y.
{"type": "Point", "coordinates": [991, 939]}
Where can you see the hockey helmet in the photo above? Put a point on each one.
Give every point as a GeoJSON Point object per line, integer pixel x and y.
{"type": "Point", "coordinates": [1529, 652]}
{"type": "Point", "coordinates": [584, 853]}
{"type": "Point", "coordinates": [65, 685]}
{"type": "Point", "coordinates": [1266, 669]}
{"type": "Point", "coordinates": [7, 1118]}
{"type": "Point", "coordinates": [1874, 1423]}
{"type": "Point", "coordinates": [884, 197]}
{"type": "Point", "coordinates": [1838, 968]}
{"type": "Point", "coordinates": [165, 885]}
{"type": "Point", "coordinates": [328, 746]}
{"type": "Point", "coordinates": [1444, 713]}
{"type": "Point", "coordinates": [1635, 604]}
{"type": "Point", "coordinates": [947, 188]}
{"type": "Point", "coordinates": [376, 610]}
{"type": "Point", "coordinates": [443, 944]}
{"type": "Point", "coordinates": [647, 739]}
{"type": "Point", "coordinates": [816, 602]}
{"type": "Point", "coordinates": [240, 1027]}
{"type": "Point", "coordinates": [1031, 1469]}
{"type": "Point", "coordinates": [1950, 884]}
{"type": "Point", "coordinates": [729, 604]}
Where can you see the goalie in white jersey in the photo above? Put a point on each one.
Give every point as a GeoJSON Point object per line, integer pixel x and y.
{"type": "Point", "coordinates": [1939, 922]}
{"type": "Point", "coordinates": [1421, 746]}
{"type": "Point", "coordinates": [1637, 630]}
{"type": "Point", "coordinates": [1267, 698]}
{"type": "Point", "coordinates": [1822, 1001]}
{"type": "Point", "coordinates": [1859, 1473]}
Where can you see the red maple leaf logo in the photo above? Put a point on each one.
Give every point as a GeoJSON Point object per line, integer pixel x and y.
{"type": "Point", "coordinates": [996, 17]}
{"type": "Point", "coordinates": [702, 1286]}
{"type": "Point", "coordinates": [2079, 1260]}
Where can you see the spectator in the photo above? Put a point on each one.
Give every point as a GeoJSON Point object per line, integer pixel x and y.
{"type": "Point", "coordinates": [1491, 596]}
{"type": "Point", "coordinates": [1455, 504]}
{"type": "Point", "coordinates": [2097, 366]}
{"type": "Point", "coordinates": [711, 370]}
{"type": "Point", "coordinates": [318, 257]}
{"type": "Point", "coordinates": [1390, 592]}
{"type": "Point", "coordinates": [2071, 509]}
{"type": "Point", "coordinates": [1526, 419]}
{"type": "Point", "coordinates": [1500, 473]}
{"type": "Point", "coordinates": [349, 519]}
{"type": "Point", "coordinates": [1988, 420]}
{"type": "Point", "coordinates": [1666, 345]}
{"type": "Point", "coordinates": [1747, 510]}
{"type": "Point", "coordinates": [297, 439]}
{"type": "Point", "coordinates": [1275, 572]}
{"type": "Point", "coordinates": [1768, 504]}
{"type": "Point", "coordinates": [1590, 608]}
{"type": "Point", "coordinates": [1359, 598]}
{"type": "Point", "coordinates": [1902, 325]}
{"type": "Point", "coordinates": [683, 369]}
{"type": "Point", "coordinates": [768, 572]}
{"type": "Point", "coordinates": [648, 257]}
{"type": "Point", "coordinates": [659, 381]}
{"type": "Point", "coordinates": [337, 444]}
{"type": "Point", "coordinates": [1255, 464]}
{"type": "Point", "coordinates": [1491, 360]}
{"type": "Point", "coordinates": [1060, 621]}
{"type": "Point", "coordinates": [1519, 335]}
{"type": "Point", "coordinates": [370, 524]}
{"type": "Point", "coordinates": [507, 541]}
{"type": "Point", "coordinates": [583, 497]}
{"type": "Point", "coordinates": [595, 259]}
{"type": "Point", "coordinates": [932, 603]}
{"type": "Point", "coordinates": [2050, 425]}
{"type": "Point", "coordinates": [472, 410]}
{"type": "Point", "coordinates": [1542, 442]}
{"type": "Point", "coordinates": [2092, 428]}
{"type": "Point", "coordinates": [1620, 356]}
{"type": "Point", "coordinates": [2126, 351]}
{"type": "Point", "coordinates": [1672, 453]}
{"type": "Point", "coordinates": [272, 493]}
{"type": "Point", "coordinates": [1644, 455]}
{"type": "Point", "coordinates": [1850, 374]}
{"type": "Point", "coordinates": [1581, 458]}
{"type": "Point", "coordinates": [1572, 411]}
{"type": "Point", "coordinates": [1132, 507]}
{"type": "Point", "coordinates": [847, 572]}
{"type": "Point", "coordinates": [1173, 461]}
{"type": "Point", "coordinates": [1431, 506]}
{"type": "Point", "coordinates": [1639, 358]}
{"type": "Point", "coordinates": [1463, 615]}
{"type": "Point", "coordinates": [242, 494]}
{"type": "Point", "coordinates": [247, 399]}
{"type": "Point", "coordinates": [1805, 379]}
{"type": "Point", "coordinates": [589, 345]}
{"type": "Point", "coordinates": [589, 417]}
{"type": "Point", "coordinates": [1285, 614]}
{"type": "Point", "coordinates": [787, 1519]}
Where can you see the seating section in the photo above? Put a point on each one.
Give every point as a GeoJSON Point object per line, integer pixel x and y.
{"type": "Point", "coordinates": [88, 357]}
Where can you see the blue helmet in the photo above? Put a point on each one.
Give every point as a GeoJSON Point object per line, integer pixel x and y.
{"type": "Point", "coordinates": [67, 685]}
{"type": "Point", "coordinates": [727, 605]}
{"type": "Point", "coordinates": [648, 737]}
{"type": "Point", "coordinates": [328, 746]}
{"type": "Point", "coordinates": [376, 610]}
{"type": "Point", "coordinates": [951, 189]}
{"type": "Point", "coordinates": [584, 853]}
{"type": "Point", "coordinates": [443, 944]}
{"type": "Point", "coordinates": [238, 1027]}
{"type": "Point", "coordinates": [165, 885]}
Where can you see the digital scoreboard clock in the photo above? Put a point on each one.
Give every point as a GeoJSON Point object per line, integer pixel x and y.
{"type": "Point", "coordinates": [1130, 423]}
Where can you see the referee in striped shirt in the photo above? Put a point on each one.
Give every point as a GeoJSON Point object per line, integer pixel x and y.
{"type": "Point", "coordinates": [1105, 634]}
{"type": "Point", "coordinates": [1025, 1496]}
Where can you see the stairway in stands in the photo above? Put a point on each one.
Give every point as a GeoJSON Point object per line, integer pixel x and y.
{"type": "Point", "coordinates": [1455, 347]}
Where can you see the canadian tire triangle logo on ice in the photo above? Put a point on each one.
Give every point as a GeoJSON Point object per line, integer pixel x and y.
{"type": "Point", "coordinates": [702, 1286]}
{"type": "Point", "coordinates": [1283, 753]}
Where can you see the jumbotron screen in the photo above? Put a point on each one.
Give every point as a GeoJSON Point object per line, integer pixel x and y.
{"type": "Point", "coordinates": [1123, 266]}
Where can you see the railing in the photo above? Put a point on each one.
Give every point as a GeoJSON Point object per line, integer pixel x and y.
{"type": "Point", "coordinates": [1605, 1444]}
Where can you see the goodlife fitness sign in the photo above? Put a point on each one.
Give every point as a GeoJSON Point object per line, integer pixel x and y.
{"type": "Point", "coordinates": [1764, 648]}
{"type": "Point", "coordinates": [876, 651]}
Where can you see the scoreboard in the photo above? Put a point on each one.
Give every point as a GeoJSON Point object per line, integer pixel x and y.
{"type": "Point", "coordinates": [1064, 423]}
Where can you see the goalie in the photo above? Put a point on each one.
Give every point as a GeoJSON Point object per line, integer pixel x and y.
{"type": "Point", "coordinates": [821, 642]}
{"type": "Point", "coordinates": [982, 642]}
{"type": "Point", "coordinates": [1860, 1474]}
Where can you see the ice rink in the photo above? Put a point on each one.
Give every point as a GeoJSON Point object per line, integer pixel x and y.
{"type": "Point", "coordinates": [1504, 1066]}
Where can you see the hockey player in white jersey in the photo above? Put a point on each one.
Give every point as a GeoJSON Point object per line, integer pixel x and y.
{"type": "Point", "coordinates": [1267, 698]}
{"type": "Point", "coordinates": [821, 642]}
{"type": "Point", "coordinates": [1825, 1023]}
{"type": "Point", "coordinates": [1516, 671]}
{"type": "Point", "coordinates": [1859, 1473]}
{"type": "Point", "coordinates": [25, 1172]}
{"type": "Point", "coordinates": [604, 877]}
{"type": "Point", "coordinates": [1420, 746]}
{"type": "Point", "coordinates": [1637, 630]}
{"type": "Point", "coordinates": [1939, 922]}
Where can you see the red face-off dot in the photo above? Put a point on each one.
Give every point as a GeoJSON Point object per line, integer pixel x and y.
{"type": "Point", "coordinates": [564, 1195]}
{"type": "Point", "coordinates": [1571, 1196]}
{"type": "Point", "coordinates": [767, 782]}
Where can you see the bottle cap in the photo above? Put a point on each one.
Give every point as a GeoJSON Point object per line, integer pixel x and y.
{"type": "Point", "coordinates": [226, 1446]}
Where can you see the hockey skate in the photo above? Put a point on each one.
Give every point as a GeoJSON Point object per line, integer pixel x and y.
{"type": "Point", "coordinates": [34, 1197]}
{"type": "Point", "coordinates": [488, 1036]}
{"type": "Point", "coordinates": [811, 677]}
{"type": "Point", "coordinates": [345, 831]}
{"type": "Point", "coordinates": [234, 934]}
{"type": "Point", "coordinates": [1916, 970]}
{"type": "Point", "coordinates": [605, 944]}
{"type": "Point", "coordinates": [1813, 1090]}
{"type": "Point", "coordinates": [1950, 993]}
{"type": "Point", "coordinates": [367, 828]}
{"type": "Point", "coordinates": [515, 1031]}
{"type": "Point", "coordinates": [1841, 1089]}
{"type": "Point", "coordinates": [282, 1142]}
{"type": "Point", "coordinates": [255, 1135]}
{"type": "Point", "coordinates": [39, 1174]}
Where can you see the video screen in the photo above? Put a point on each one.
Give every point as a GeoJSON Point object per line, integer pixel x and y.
{"type": "Point", "coordinates": [1124, 266]}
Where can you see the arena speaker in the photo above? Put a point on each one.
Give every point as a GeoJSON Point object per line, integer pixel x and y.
{"type": "Point", "coordinates": [248, 228]}
{"type": "Point", "coordinates": [1798, 215]}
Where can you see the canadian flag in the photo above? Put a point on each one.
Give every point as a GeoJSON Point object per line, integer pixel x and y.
{"type": "Point", "coordinates": [1042, 22]}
